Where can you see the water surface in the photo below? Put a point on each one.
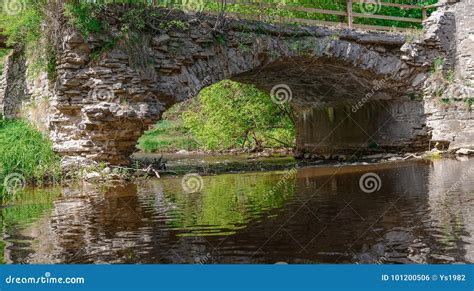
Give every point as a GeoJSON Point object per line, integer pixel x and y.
{"type": "Point", "coordinates": [422, 213]}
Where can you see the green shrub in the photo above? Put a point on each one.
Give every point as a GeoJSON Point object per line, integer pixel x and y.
{"type": "Point", "coordinates": [25, 26]}
{"type": "Point", "coordinates": [83, 17]}
{"type": "Point", "coordinates": [24, 29]}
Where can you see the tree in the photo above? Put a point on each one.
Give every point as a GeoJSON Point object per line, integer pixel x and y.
{"type": "Point", "coordinates": [231, 115]}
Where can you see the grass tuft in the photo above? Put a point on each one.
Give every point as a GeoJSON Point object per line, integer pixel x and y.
{"type": "Point", "coordinates": [24, 150]}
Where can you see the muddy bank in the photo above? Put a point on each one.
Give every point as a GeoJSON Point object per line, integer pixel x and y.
{"type": "Point", "coordinates": [205, 164]}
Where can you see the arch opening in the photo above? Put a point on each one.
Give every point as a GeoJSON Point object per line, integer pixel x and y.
{"type": "Point", "coordinates": [225, 117]}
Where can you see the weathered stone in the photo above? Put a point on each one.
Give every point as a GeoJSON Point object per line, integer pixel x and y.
{"type": "Point", "coordinates": [92, 176]}
{"type": "Point", "coordinates": [99, 109]}
{"type": "Point", "coordinates": [465, 152]}
{"type": "Point", "coordinates": [160, 40]}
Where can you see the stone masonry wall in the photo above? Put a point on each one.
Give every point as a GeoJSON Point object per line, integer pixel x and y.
{"type": "Point", "coordinates": [449, 113]}
{"type": "Point", "coordinates": [376, 127]}
{"type": "Point", "coordinates": [100, 107]}
{"type": "Point", "coordinates": [13, 84]}
{"type": "Point", "coordinates": [105, 97]}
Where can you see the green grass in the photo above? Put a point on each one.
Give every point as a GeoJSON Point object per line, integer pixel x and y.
{"type": "Point", "coordinates": [167, 135]}
{"type": "Point", "coordinates": [24, 150]}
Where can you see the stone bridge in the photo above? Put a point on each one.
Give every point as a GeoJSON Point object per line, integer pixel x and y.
{"type": "Point", "coordinates": [353, 91]}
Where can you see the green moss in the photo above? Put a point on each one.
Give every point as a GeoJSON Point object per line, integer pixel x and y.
{"type": "Point", "coordinates": [445, 100]}
{"type": "Point", "coordinates": [220, 39]}
{"type": "Point", "coordinates": [174, 25]}
{"type": "Point", "coordinates": [437, 65]}
{"type": "Point", "coordinates": [469, 102]}
{"type": "Point", "coordinates": [450, 76]}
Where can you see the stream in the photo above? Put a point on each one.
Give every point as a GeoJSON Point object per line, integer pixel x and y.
{"type": "Point", "coordinates": [408, 212]}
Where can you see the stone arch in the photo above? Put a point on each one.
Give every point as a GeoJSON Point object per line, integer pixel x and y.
{"type": "Point", "coordinates": [101, 107]}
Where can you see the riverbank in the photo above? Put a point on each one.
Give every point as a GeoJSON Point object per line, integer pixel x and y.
{"type": "Point", "coordinates": [26, 157]}
{"type": "Point", "coordinates": [145, 165]}
{"type": "Point", "coordinates": [203, 163]}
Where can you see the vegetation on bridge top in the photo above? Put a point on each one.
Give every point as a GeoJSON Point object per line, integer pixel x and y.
{"type": "Point", "coordinates": [22, 22]}
{"type": "Point", "coordinates": [362, 13]}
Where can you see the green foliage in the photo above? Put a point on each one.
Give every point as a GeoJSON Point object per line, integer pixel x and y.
{"type": "Point", "coordinates": [24, 150]}
{"type": "Point", "coordinates": [234, 115]}
{"type": "Point", "coordinates": [469, 102]}
{"type": "Point", "coordinates": [51, 65]}
{"type": "Point", "coordinates": [227, 210]}
{"type": "Point", "coordinates": [134, 19]}
{"type": "Point", "coordinates": [174, 24]}
{"type": "Point", "coordinates": [23, 26]}
{"type": "Point", "coordinates": [227, 115]}
{"type": "Point", "coordinates": [84, 17]}
{"type": "Point", "coordinates": [450, 76]}
{"type": "Point", "coordinates": [276, 14]}
{"type": "Point", "coordinates": [106, 46]}
{"type": "Point", "coordinates": [437, 65]}
{"type": "Point", "coordinates": [42, 58]}
{"type": "Point", "coordinates": [167, 136]}
{"type": "Point", "coordinates": [220, 39]}
{"type": "Point", "coordinates": [445, 100]}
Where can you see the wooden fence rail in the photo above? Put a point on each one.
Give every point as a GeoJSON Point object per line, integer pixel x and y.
{"type": "Point", "coordinates": [348, 13]}
{"type": "Point", "coordinates": [260, 6]}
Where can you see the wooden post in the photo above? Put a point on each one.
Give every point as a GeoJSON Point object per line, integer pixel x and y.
{"type": "Point", "coordinates": [423, 13]}
{"type": "Point", "coordinates": [349, 13]}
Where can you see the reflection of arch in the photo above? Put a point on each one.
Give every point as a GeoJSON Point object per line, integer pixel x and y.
{"type": "Point", "coordinates": [322, 66]}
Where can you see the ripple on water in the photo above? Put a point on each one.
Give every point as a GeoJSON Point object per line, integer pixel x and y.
{"type": "Point", "coordinates": [423, 213]}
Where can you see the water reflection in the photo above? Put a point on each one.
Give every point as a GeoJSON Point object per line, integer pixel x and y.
{"type": "Point", "coordinates": [317, 215]}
